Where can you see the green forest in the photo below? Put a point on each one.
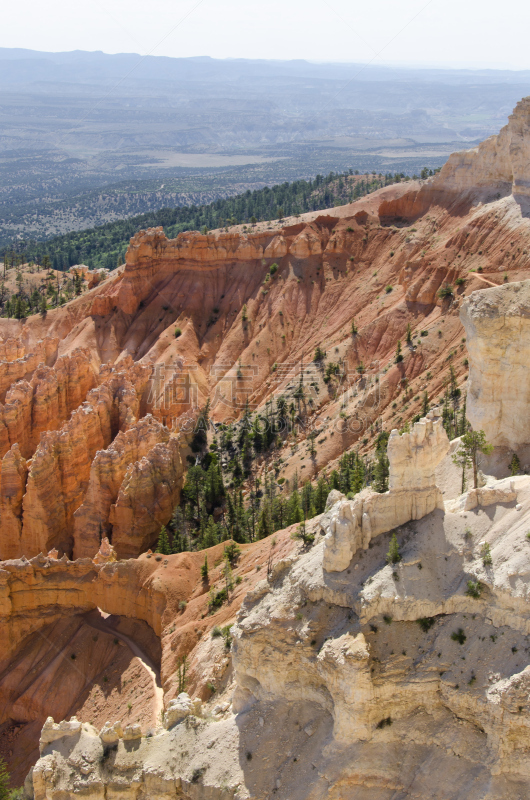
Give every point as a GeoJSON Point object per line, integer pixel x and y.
{"type": "Point", "coordinates": [105, 246]}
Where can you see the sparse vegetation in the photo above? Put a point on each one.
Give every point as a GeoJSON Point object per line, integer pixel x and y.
{"type": "Point", "coordinates": [459, 636]}
{"type": "Point", "coordinates": [426, 623]}
{"type": "Point", "coordinates": [485, 554]}
{"type": "Point", "coordinates": [474, 589]}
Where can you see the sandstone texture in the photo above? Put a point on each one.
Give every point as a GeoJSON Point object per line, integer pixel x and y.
{"type": "Point", "coordinates": [497, 323]}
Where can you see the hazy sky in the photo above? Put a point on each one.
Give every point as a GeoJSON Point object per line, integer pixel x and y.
{"type": "Point", "coordinates": [471, 33]}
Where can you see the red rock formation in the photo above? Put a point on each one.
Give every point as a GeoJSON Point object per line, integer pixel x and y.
{"type": "Point", "coordinates": [111, 476]}
{"type": "Point", "coordinates": [12, 486]}
{"type": "Point", "coordinates": [60, 469]}
{"type": "Point", "coordinates": [45, 402]}
{"type": "Point", "coordinates": [17, 362]}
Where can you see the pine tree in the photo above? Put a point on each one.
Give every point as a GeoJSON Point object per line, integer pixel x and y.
{"type": "Point", "coordinates": [471, 445]}
{"type": "Point", "coordinates": [409, 334]}
{"type": "Point", "coordinates": [381, 472]}
{"type": "Point", "coordinates": [163, 545]}
{"type": "Point", "coordinates": [399, 355]}
{"type": "Point", "coordinates": [5, 791]}
{"type": "Point", "coordinates": [210, 538]}
{"type": "Point", "coordinates": [393, 555]}
{"type": "Point", "coordinates": [264, 527]}
{"type": "Point", "coordinates": [424, 404]}
{"type": "Point", "coordinates": [204, 569]}
{"type": "Point", "coordinates": [227, 573]}
{"type": "Point", "coordinates": [515, 465]}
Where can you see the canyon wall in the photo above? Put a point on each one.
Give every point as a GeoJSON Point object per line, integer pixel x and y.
{"type": "Point", "coordinates": [497, 323]}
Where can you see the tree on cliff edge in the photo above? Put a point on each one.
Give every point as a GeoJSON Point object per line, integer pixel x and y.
{"type": "Point", "coordinates": [471, 445]}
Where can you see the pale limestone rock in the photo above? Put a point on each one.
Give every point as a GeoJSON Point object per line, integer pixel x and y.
{"type": "Point", "coordinates": [110, 734]}
{"type": "Point", "coordinates": [52, 731]}
{"type": "Point", "coordinates": [344, 663]}
{"type": "Point", "coordinates": [499, 163]}
{"type": "Point", "coordinates": [497, 492]}
{"type": "Point", "coordinates": [497, 323]}
{"type": "Point", "coordinates": [180, 708]}
{"type": "Point", "coordinates": [413, 457]}
{"type": "Point", "coordinates": [132, 732]}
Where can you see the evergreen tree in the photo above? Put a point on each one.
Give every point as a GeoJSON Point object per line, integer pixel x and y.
{"type": "Point", "coordinates": [264, 527]}
{"type": "Point", "coordinates": [211, 534]}
{"type": "Point", "coordinates": [515, 465]}
{"type": "Point", "coordinates": [163, 545]}
{"type": "Point", "coordinates": [393, 555]}
{"type": "Point", "coordinates": [381, 472]}
{"type": "Point", "coordinates": [472, 444]}
{"type": "Point", "coordinates": [204, 569]}
{"type": "Point", "coordinates": [321, 494]}
{"type": "Point", "coordinates": [5, 791]}
{"type": "Point", "coordinates": [381, 467]}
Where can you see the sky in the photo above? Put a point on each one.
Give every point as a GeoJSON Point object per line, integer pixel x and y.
{"type": "Point", "coordinates": [459, 33]}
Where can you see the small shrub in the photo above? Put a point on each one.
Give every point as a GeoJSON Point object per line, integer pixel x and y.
{"type": "Point", "coordinates": [459, 636]}
{"type": "Point", "coordinates": [216, 599]}
{"type": "Point", "coordinates": [474, 589]}
{"type": "Point", "coordinates": [273, 269]}
{"type": "Point", "coordinates": [232, 552]}
{"type": "Point", "coordinates": [216, 631]}
{"type": "Point", "coordinates": [178, 332]}
{"type": "Point", "coordinates": [182, 605]}
{"type": "Point", "coordinates": [388, 289]}
{"type": "Point", "coordinates": [211, 687]}
{"type": "Point", "coordinates": [426, 623]}
{"type": "Point", "coordinates": [320, 355]}
{"type": "Point", "coordinates": [384, 723]}
{"type": "Point", "coordinates": [515, 465]}
{"type": "Point", "coordinates": [197, 774]}
{"type": "Point", "coordinates": [460, 281]}
{"type": "Point", "coordinates": [445, 291]}
{"type": "Point", "coordinates": [387, 619]}
{"type": "Point", "coordinates": [485, 554]}
{"type": "Point", "coordinates": [306, 536]}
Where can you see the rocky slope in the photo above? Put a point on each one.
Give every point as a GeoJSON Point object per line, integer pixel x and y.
{"type": "Point", "coordinates": [342, 668]}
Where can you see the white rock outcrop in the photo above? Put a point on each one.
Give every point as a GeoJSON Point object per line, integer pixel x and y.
{"type": "Point", "coordinates": [500, 163]}
{"type": "Point", "coordinates": [413, 458]}
{"type": "Point", "coordinates": [497, 323]}
{"type": "Point", "coordinates": [52, 731]}
{"type": "Point", "coordinates": [180, 708]}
